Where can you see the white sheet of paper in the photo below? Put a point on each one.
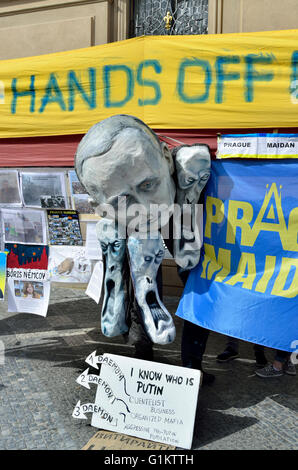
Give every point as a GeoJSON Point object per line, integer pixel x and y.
{"type": "Point", "coordinates": [69, 264]}
{"type": "Point", "coordinates": [95, 284]}
{"type": "Point", "coordinates": [21, 300]}
{"type": "Point", "coordinates": [150, 400]}
{"type": "Point", "coordinates": [93, 248]}
{"type": "Point", "coordinates": [26, 226]}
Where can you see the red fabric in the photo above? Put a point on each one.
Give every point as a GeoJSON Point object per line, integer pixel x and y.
{"type": "Point", "coordinates": [56, 151]}
{"type": "Point", "coordinates": [59, 151]}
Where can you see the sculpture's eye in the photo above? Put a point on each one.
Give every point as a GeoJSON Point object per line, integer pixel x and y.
{"type": "Point", "coordinates": [148, 258]}
{"type": "Point", "coordinates": [190, 180]}
{"type": "Point", "coordinates": [146, 186]}
{"type": "Point", "coordinates": [205, 176]}
{"type": "Point", "coordinates": [104, 246]}
{"type": "Point", "coordinates": [116, 245]}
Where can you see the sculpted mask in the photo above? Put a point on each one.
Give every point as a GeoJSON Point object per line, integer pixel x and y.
{"type": "Point", "coordinates": [114, 303]}
{"type": "Point", "coordinates": [145, 257]}
{"type": "Point", "coordinates": [193, 165]}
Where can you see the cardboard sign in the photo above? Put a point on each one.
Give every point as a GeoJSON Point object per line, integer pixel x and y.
{"type": "Point", "coordinates": [148, 400]}
{"type": "Point", "coordinates": [105, 440]}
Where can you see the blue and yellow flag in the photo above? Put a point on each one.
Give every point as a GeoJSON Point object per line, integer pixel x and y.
{"type": "Point", "coordinates": [246, 283]}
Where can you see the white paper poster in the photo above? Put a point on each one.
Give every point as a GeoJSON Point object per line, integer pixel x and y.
{"type": "Point", "coordinates": [257, 146]}
{"type": "Point", "coordinates": [24, 226]}
{"type": "Point", "coordinates": [149, 400]}
{"type": "Point", "coordinates": [10, 188]}
{"type": "Point", "coordinates": [93, 247]}
{"type": "Point", "coordinates": [95, 284]}
{"type": "Point", "coordinates": [69, 264]}
{"type": "Point", "coordinates": [28, 296]}
{"type": "Point", "coordinates": [37, 185]}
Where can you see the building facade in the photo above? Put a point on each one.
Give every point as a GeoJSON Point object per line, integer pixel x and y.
{"type": "Point", "coordinates": [38, 27]}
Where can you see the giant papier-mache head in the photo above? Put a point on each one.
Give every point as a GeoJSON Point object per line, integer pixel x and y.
{"type": "Point", "coordinates": [121, 156]}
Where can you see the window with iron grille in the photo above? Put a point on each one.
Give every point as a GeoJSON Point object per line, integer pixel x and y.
{"type": "Point", "coordinates": [168, 17]}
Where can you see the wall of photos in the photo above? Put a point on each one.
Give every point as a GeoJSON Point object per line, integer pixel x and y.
{"type": "Point", "coordinates": [47, 228]}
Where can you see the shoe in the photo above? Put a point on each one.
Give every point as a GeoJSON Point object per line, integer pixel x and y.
{"type": "Point", "coordinates": [269, 372]}
{"type": "Point", "coordinates": [227, 355]}
{"type": "Point", "coordinates": [145, 354]}
{"type": "Point", "coordinates": [261, 360]}
{"type": "Point", "coordinates": [208, 379]}
{"type": "Point", "coordinates": [289, 368]}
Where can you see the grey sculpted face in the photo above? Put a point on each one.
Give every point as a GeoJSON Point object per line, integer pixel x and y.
{"type": "Point", "coordinates": [114, 303]}
{"type": "Point", "coordinates": [145, 257]}
{"type": "Point", "coordinates": [122, 157]}
{"type": "Point", "coordinates": [193, 166]}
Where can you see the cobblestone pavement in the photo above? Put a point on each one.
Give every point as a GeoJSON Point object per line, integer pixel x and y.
{"type": "Point", "coordinates": [44, 356]}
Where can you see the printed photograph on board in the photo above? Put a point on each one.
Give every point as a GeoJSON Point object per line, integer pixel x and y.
{"type": "Point", "coordinates": [79, 195]}
{"type": "Point", "coordinates": [64, 227]}
{"type": "Point", "coordinates": [81, 204]}
{"type": "Point", "coordinates": [24, 226]}
{"type": "Point", "coordinates": [36, 185]}
{"type": "Point", "coordinates": [28, 290]}
{"type": "Point", "coordinates": [10, 188]}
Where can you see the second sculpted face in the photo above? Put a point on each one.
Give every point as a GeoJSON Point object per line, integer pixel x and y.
{"type": "Point", "coordinates": [135, 168]}
{"type": "Point", "coordinates": [193, 165]}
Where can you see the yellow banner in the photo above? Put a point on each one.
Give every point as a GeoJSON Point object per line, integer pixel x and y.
{"type": "Point", "coordinates": [244, 80]}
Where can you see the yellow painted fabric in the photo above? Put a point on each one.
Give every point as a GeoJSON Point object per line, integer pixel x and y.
{"type": "Point", "coordinates": [192, 82]}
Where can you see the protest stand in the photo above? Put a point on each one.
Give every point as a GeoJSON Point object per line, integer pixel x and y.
{"type": "Point", "coordinates": [219, 91]}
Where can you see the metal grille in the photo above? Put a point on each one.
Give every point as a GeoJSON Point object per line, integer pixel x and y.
{"type": "Point", "coordinates": [167, 17]}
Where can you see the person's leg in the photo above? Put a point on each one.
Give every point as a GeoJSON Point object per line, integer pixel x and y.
{"type": "Point", "coordinates": [233, 343]}
{"type": "Point", "coordinates": [280, 358]}
{"type": "Point", "coordinates": [277, 368]}
{"type": "Point", "coordinates": [231, 350]}
{"type": "Point", "coordinates": [261, 360]}
{"type": "Point", "coordinates": [193, 345]}
{"type": "Point", "coordinates": [193, 342]}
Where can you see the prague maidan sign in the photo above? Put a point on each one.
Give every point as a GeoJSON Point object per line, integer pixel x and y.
{"type": "Point", "coordinates": [242, 80]}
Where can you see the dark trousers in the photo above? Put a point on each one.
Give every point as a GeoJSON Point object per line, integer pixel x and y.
{"type": "Point", "coordinates": [194, 338]}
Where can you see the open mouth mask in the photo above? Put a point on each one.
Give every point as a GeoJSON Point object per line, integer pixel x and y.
{"type": "Point", "coordinates": [113, 312]}
{"type": "Point", "coordinates": [193, 164]}
{"type": "Point", "coordinates": [145, 257]}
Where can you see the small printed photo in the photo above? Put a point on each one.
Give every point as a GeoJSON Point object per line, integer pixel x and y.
{"type": "Point", "coordinates": [28, 290]}
{"type": "Point", "coordinates": [82, 205]}
{"type": "Point", "coordinates": [9, 188]}
{"type": "Point", "coordinates": [36, 185]}
{"type": "Point", "coordinates": [53, 202]}
{"type": "Point", "coordinates": [76, 186]}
